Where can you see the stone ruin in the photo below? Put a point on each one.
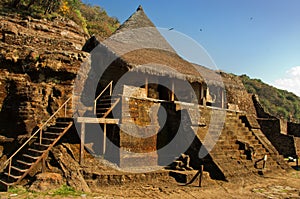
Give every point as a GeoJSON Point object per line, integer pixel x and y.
{"type": "Point", "coordinates": [43, 66]}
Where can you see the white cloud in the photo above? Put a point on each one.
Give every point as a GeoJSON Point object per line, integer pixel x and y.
{"type": "Point", "coordinates": [291, 81]}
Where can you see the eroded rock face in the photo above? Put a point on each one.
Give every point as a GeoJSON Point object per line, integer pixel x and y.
{"type": "Point", "coordinates": [46, 181]}
{"type": "Point", "coordinates": [236, 94]}
{"type": "Point", "coordinates": [39, 60]}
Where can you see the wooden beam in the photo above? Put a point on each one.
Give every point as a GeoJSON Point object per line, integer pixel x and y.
{"type": "Point", "coordinates": [82, 141]}
{"type": "Point", "coordinates": [222, 98]}
{"type": "Point", "coordinates": [201, 175]}
{"type": "Point", "coordinates": [104, 139]}
{"type": "Point", "coordinates": [93, 120]}
{"type": "Point", "coordinates": [44, 163]}
{"type": "Point", "coordinates": [173, 90]}
{"type": "Point", "coordinates": [146, 86]}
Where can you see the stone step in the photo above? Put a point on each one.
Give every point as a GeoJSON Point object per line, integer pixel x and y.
{"type": "Point", "coordinates": [4, 182]}
{"type": "Point", "coordinates": [19, 169]}
{"type": "Point", "coordinates": [25, 162]}
{"type": "Point", "coordinates": [30, 156]}
{"type": "Point", "coordinates": [104, 105]}
{"type": "Point", "coordinates": [228, 153]}
{"type": "Point", "coordinates": [39, 146]}
{"type": "Point", "coordinates": [35, 151]}
{"type": "Point", "coordinates": [64, 119]}
{"type": "Point", "coordinates": [61, 124]}
{"type": "Point", "coordinates": [16, 177]}
{"type": "Point", "coordinates": [50, 135]}
{"type": "Point", "coordinates": [55, 129]}
{"type": "Point", "coordinates": [226, 142]}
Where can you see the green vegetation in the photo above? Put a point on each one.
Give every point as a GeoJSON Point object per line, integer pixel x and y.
{"type": "Point", "coordinates": [65, 190]}
{"type": "Point", "coordinates": [280, 103]}
{"type": "Point", "coordinates": [93, 19]}
{"type": "Point", "coordinates": [17, 190]}
{"type": "Point", "coordinates": [62, 191]}
{"type": "Point", "coordinates": [98, 22]}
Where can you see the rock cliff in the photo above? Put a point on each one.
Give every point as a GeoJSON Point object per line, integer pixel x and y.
{"type": "Point", "coordinates": [39, 60]}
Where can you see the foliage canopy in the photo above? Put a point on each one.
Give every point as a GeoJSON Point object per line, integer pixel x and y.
{"type": "Point", "coordinates": [277, 102]}
{"type": "Point", "coordinates": [93, 19]}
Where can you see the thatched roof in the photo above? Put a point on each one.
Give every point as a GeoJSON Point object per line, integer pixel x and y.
{"type": "Point", "coordinates": [137, 20]}
{"type": "Point", "coordinates": [140, 45]}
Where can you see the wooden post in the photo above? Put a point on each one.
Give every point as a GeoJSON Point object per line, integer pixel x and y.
{"type": "Point", "coordinates": [173, 90]}
{"type": "Point", "coordinates": [297, 161]}
{"type": "Point", "coordinates": [66, 106]}
{"type": "Point", "coordinates": [202, 91]}
{"type": "Point", "coordinates": [44, 163]}
{"type": "Point", "coordinates": [82, 141]}
{"type": "Point", "coordinates": [200, 176]}
{"type": "Point", "coordinates": [104, 139]}
{"type": "Point", "coordinates": [265, 161]}
{"type": "Point", "coordinates": [41, 135]}
{"type": "Point", "coordinates": [222, 99]}
{"type": "Point", "coordinates": [146, 86]}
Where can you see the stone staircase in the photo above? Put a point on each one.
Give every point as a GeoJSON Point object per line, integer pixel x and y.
{"type": "Point", "coordinates": [27, 158]}
{"type": "Point", "coordinates": [105, 105]}
{"type": "Point", "coordinates": [239, 152]}
{"type": "Point", "coordinates": [36, 148]}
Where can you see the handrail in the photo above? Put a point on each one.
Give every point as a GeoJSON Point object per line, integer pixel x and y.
{"type": "Point", "coordinates": [9, 160]}
{"type": "Point", "coordinates": [110, 93]}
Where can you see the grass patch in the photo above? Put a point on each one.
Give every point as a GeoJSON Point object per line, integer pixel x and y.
{"type": "Point", "coordinates": [17, 190]}
{"type": "Point", "coordinates": [65, 190]}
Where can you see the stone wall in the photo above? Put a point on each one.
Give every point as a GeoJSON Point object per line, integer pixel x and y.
{"type": "Point", "coordinates": [293, 129]}
{"type": "Point", "coordinates": [237, 94]}
{"type": "Point", "coordinates": [297, 145]}
{"type": "Point", "coordinates": [276, 130]}
{"type": "Point", "coordinates": [39, 60]}
{"type": "Point", "coordinates": [138, 132]}
{"type": "Point", "coordinates": [283, 143]}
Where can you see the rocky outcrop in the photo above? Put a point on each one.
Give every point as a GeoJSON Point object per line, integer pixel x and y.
{"type": "Point", "coordinates": [236, 94]}
{"type": "Point", "coordinates": [39, 60]}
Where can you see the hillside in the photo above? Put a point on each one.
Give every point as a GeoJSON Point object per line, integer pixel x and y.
{"type": "Point", "coordinates": [93, 19]}
{"type": "Point", "coordinates": [277, 102]}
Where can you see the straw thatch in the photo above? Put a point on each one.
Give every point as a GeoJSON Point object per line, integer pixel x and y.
{"type": "Point", "coordinates": [141, 48]}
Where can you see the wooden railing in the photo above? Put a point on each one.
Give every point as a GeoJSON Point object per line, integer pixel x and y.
{"type": "Point", "coordinates": [40, 130]}
{"type": "Point", "coordinates": [110, 93]}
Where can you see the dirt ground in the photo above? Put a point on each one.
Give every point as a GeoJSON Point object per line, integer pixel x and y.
{"type": "Point", "coordinates": [268, 186]}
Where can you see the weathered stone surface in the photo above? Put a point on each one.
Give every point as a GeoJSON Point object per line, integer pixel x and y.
{"type": "Point", "coordinates": [70, 168]}
{"type": "Point", "coordinates": [46, 182]}
{"type": "Point", "coordinates": [236, 94]}
{"type": "Point", "coordinates": [39, 60]}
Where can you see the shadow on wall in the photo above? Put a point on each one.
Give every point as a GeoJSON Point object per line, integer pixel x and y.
{"type": "Point", "coordinates": [10, 122]}
{"type": "Point", "coordinates": [270, 126]}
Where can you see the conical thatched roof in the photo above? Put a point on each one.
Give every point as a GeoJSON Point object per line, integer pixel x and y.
{"type": "Point", "coordinates": [138, 20]}
{"type": "Point", "coordinates": [140, 45]}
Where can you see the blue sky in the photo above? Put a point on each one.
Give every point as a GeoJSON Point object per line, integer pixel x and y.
{"type": "Point", "coordinates": [260, 38]}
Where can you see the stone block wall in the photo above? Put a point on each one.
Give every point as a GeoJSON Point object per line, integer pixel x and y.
{"type": "Point", "coordinates": [293, 129]}
{"type": "Point", "coordinates": [297, 145]}
{"type": "Point", "coordinates": [138, 132]}
{"type": "Point", "coordinates": [283, 143]}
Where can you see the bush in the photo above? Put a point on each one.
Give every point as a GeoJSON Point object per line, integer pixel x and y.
{"type": "Point", "coordinates": [279, 103]}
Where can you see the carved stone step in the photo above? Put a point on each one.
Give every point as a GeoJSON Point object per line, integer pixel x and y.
{"type": "Point", "coordinates": [61, 124]}
{"type": "Point", "coordinates": [12, 176]}
{"type": "Point", "coordinates": [39, 146]}
{"type": "Point", "coordinates": [64, 119]}
{"type": "Point", "coordinates": [25, 163]}
{"type": "Point", "coordinates": [19, 169]}
{"type": "Point", "coordinates": [31, 157]}
{"type": "Point", "coordinates": [35, 151]}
